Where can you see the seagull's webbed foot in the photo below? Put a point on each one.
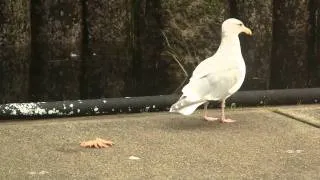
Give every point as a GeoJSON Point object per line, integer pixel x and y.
{"type": "Point", "coordinates": [222, 119]}
{"type": "Point", "coordinates": [208, 118]}
{"type": "Point", "coordinates": [205, 116]}
{"type": "Point", "coordinates": [227, 120]}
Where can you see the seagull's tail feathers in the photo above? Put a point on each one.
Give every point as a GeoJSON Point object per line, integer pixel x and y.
{"type": "Point", "coordinates": [185, 106]}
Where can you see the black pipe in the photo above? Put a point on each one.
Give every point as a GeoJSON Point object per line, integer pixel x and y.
{"type": "Point", "coordinates": [150, 104]}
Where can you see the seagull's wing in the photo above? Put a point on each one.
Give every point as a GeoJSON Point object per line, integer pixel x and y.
{"type": "Point", "coordinates": [213, 85]}
{"type": "Point", "coordinates": [206, 67]}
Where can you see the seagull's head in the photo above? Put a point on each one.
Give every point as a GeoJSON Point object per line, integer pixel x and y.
{"type": "Point", "coordinates": [234, 26]}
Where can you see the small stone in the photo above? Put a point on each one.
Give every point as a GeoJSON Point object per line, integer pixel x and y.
{"type": "Point", "coordinates": [134, 158]}
{"type": "Point", "coordinates": [32, 173]}
{"type": "Point", "coordinates": [43, 172]}
{"type": "Point", "coordinates": [290, 151]}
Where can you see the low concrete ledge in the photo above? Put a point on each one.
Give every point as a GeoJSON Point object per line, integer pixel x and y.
{"type": "Point", "coordinates": [150, 104]}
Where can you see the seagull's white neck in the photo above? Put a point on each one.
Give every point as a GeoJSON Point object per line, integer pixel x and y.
{"type": "Point", "coordinates": [230, 44]}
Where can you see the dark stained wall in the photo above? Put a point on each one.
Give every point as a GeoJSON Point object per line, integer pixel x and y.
{"type": "Point", "coordinates": [258, 15]}
{"type": "Point", "coordinates": [109, 58]}
{"type": "Point", "coordinates": [191, 33]}
{"type": "Point", "coordinates": [15, 40]}
{"type": "Point", "coordinates": [56, 50]}
{"type": "Point", "coordinates": [289, 65]}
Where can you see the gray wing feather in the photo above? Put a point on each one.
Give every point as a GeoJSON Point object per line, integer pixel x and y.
{"type": "Point", "coordinates": [213, 86]}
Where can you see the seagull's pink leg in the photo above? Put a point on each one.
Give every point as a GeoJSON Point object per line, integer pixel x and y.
{"type": "Point", "coordinates": [223, 118]}
{"type": "Point", "coordinates": [206, 117]}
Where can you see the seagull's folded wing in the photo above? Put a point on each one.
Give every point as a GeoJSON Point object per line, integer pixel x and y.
{"type": "Point", "coordinates": [212, 86]}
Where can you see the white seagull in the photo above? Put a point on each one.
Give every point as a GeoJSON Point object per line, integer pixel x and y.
{"type": "Point", "coordinates": [217, 77]}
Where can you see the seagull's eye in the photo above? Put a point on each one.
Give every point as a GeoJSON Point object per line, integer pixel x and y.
{"type": "Point", "coordinates": [240, 24]}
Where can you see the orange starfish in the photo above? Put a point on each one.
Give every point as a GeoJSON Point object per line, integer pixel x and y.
{"type": "Point", "coordinates": [97, 143]}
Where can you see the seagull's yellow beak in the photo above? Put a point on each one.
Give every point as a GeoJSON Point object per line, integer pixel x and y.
{"type": "Point", "coordinates": [247, 31]}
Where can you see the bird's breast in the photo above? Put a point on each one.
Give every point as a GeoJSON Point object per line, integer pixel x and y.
{"type": "Point", "coordinates": [239, 76]}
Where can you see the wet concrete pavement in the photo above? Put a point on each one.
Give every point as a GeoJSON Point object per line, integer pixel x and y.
{"type": "Point", "coordinates": [280, 142]}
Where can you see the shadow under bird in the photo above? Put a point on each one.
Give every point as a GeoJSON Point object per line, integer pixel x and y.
{"type": "Point", "coordinates": [217, 77]}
